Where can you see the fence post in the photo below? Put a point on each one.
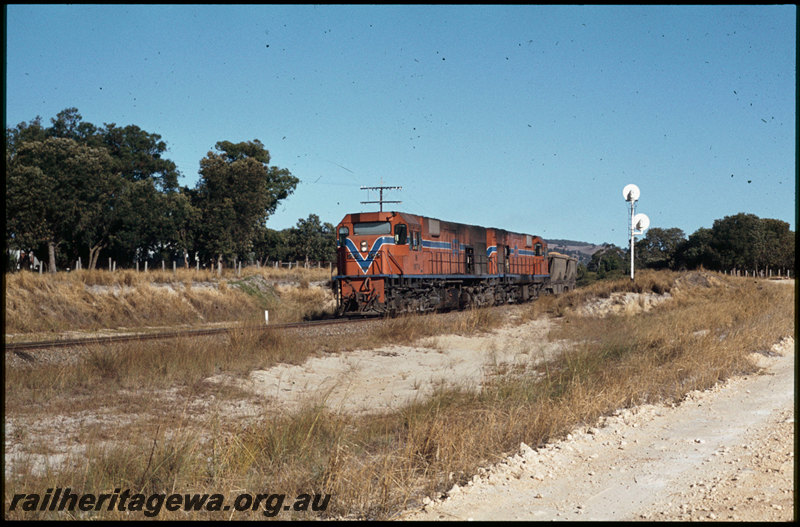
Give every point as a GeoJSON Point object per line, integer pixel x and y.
{"type": "Point", "coordinates": [137, 266]}
{"type": "Point", "coordinates": [115, 266]}
{"type": "Point", "coordinates": [174, 267]}
{"type": "Point", "coordinates": [163, 265]}
{"type": "Point", "coordinates": [145, 266]}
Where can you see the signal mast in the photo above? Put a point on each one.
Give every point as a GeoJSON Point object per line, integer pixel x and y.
{"type": "Point", "coordinates": [639, 222]}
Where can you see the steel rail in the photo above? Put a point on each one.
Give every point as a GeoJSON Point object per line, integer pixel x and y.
{"type": "Point", "coordinates": [88, 341]}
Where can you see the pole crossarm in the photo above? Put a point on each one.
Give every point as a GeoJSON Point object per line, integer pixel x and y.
{"type": "Point", "coordinates": [381, 188]}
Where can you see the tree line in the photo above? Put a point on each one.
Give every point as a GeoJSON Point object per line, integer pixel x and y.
{"type": "Point", "coordinates": [742, 241]}
{"type": "Point", "coordinates": [75, 190]}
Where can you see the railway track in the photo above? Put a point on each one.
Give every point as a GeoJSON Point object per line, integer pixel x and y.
{"type": "Point", "coordinates": [88, 341]}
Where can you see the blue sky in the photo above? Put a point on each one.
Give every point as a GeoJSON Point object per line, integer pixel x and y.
{"type": "Point", "coordinates": [529, 118]}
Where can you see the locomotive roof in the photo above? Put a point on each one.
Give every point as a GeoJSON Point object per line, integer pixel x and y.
{"type": "Point", "coordinates": [412, 220]}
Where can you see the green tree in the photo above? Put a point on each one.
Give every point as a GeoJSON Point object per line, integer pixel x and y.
{"type": "Point", "coordinates": [657, 249]}
{"type": "Point", "coordinates": [151, 213]}
{"type": "Point", "coordinates": [696, 251]}
{"type": "Point", "coordinates": [742, 241]}
{"type": "Point", "coordinates": [138, 155]}
{"type": "Point", "coordinates": [739, 241]}
{"type": "Point", "coordinates": [313, 240]}
{"type": "Point", "coordinates": [69, 124]}
{"type": "Point", "coordinates": [150, 221]}
{"type": "Point", "coordinates": [608, 262]}
{"type": "Point", "coordinates": [271, 244]}
{"type": "Point", "coordinates": [236, 193]}
{"type": "Point", "coordinates": [145, 210]}
{"type": "Point", "coordinates": [22, 133]}
{"type": "Point", "coordinates": [777, 248]}
{"type": "Point", "coordinates": [55, 189]}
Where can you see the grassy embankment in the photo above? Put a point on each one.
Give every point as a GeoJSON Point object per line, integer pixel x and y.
{"type": "Point", "coordinates": [92, 300]}
{"type": "Point", "coordinates": [374, 466]}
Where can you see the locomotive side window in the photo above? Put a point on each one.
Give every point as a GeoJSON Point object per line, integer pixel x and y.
{"type": "Point", "coordinates": [400, 234]}
{"type": "Point", "coordinates": [416, 241]}
{"type": "Point", "coordinates": [371, 228]}
{"type": "Point", "coordinates": [343, 232]}
{"type": "Point", "coordinates": [538, 249]}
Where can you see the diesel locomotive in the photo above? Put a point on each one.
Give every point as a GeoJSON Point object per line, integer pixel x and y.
{"type": "Point", "coordinates": [395, 262]}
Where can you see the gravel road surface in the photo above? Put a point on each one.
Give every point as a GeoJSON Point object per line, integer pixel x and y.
{"type": "Point", "coordinates": [723, 454]}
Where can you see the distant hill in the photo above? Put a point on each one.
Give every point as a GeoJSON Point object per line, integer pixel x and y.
{"type": "Point", "coordinates": [583, 251]}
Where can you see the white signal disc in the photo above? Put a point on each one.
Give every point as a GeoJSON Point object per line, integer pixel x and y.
{"type": "Point", "coordinates": [641, 222]}
{"type": "Point", "coordinates": [630, 192]}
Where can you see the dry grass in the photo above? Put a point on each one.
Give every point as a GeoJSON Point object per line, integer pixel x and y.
{"type": "Point", "coordinates": [412, 327]}
{"type": "Point", "coordinates": [647, 281]}
{"type": "Point", "coordinates": [374, 466]}
{"type": "Point", "coordinates": [93, 300]}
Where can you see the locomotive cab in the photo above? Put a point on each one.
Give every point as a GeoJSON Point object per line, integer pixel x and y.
{"type": "Point", "coordinates": [371, 247]}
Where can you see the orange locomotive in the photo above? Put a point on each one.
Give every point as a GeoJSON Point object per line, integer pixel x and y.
{"type": "Point", "coordinates": [393, 262]}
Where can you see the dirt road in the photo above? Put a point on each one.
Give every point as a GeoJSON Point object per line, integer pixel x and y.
{"type": "Point", "coordinates": [723, 454]}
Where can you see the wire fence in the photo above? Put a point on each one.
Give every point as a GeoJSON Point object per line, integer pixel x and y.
{"type": "Point", "coordinates": [145, 266]}
{"type": "Point", "coordinates": [36, 265]}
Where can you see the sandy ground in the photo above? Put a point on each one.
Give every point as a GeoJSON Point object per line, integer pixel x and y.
{"type": "Point", "coordinates": [723, 454]}
{"type": "Point", "coordinates": [368, 381]}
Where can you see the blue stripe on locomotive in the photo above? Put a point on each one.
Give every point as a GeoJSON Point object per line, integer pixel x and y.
{"type": "Point", "coordinates": [365, 263]}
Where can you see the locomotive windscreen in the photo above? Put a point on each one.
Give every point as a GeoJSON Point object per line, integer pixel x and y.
{"type": "Point", "coordinates": [368, 228]}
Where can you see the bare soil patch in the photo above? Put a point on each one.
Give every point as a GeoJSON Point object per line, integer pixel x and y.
{"type": "Point", "coordinates": [387, 378]}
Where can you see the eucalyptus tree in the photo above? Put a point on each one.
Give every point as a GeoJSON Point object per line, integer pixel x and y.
{"type": "Point", "coordinates": [237, 191]}
{"type": "Point", "coordinates": [56, 188]}
{"type": "Point", "coordinates": [657, 249]}
{"type": "Point", "coordinates": [313, 240]}
{"type": "Point", "coordinates": [143, 211]}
